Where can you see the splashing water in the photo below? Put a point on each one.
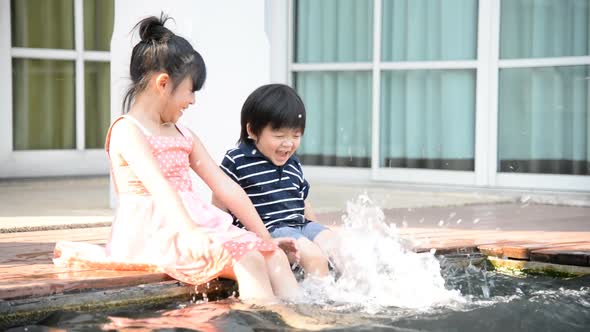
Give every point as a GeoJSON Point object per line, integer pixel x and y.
{"type": "Point", "coordinates": [377, 270]}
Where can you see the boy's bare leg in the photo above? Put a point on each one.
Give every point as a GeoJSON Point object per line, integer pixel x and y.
{"type": "Point", "coordinates": [313, 260]}
{"type": "Point", "coordinates": [329, 243]}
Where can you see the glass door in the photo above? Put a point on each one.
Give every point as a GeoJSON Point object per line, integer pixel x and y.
{"type": "Point", "coordinates": [57, 108]}
{"type": "Point", "coordinates": [543, 94]}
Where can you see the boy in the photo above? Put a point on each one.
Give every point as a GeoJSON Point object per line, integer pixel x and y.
{"type": "Point", "coordinates": [264, 165]}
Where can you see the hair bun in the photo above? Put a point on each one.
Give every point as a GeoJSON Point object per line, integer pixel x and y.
{"type": "Point", "coordinates": [152, 29]}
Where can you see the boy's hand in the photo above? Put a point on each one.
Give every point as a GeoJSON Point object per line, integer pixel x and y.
{"type": "Point", "coordinates": [288, 245]}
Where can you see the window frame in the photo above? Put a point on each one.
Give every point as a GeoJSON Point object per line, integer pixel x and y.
{"type": "Point", "coordinates": [57, 162]}
{"type": "Point", "coordinates": [486, 66]}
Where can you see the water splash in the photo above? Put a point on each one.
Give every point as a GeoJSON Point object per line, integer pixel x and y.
{"type": "Point", "coordinates": [377, 270]}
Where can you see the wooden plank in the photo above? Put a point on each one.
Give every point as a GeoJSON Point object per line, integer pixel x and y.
{"type": "Point", "coordinates": [568, 255]}
{"type": "Point", "coordinates": [523, 251]}
{"type": "Point", "coordinates": [495, 249]}
{"type": "Point", "coordinates": [83, 280]}
{"type": "Point", "coordinates": [54, 235]}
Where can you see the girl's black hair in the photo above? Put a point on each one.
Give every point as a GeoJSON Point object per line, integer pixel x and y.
{"type": "Point", "coordinates": [160, 50]}
{"type": "Point", "coordinates": [275, 104]}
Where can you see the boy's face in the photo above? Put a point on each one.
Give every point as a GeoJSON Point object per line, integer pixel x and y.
{"type": "Point", "coordinates": [278, 145]}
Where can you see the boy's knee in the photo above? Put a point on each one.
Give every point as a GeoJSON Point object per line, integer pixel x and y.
{"type": "Point", "coordinates": [313, 256]}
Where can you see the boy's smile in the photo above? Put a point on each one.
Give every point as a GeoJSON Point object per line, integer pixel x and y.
{"type": "Point", "coordinates": [278, 145]}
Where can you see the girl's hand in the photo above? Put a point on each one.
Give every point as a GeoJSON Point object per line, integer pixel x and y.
{"type": "Point", "coordinates": [195, 244]}
{"type": "Point", "coordinates": [288, 245]}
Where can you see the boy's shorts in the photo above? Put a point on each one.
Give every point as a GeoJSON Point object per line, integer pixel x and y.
{"type": "Point", "coordinates": [310, 230]}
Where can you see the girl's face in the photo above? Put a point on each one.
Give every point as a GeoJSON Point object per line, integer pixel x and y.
{"type": "Point", "coordinates": [178, 100]}
{"type": "Point", "coordinates": [278, 145]}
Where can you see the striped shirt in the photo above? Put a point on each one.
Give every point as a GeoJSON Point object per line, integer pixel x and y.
{"type": "Point", "coordinates": [277, 192]}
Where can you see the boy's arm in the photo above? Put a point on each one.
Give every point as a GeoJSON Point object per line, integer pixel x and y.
{"type": "Point", "coordinates": [309, 213]}
{"type": "Point", "coordinates": [227, 191]}
{"type": "Point", "coordinates": [229, 168]}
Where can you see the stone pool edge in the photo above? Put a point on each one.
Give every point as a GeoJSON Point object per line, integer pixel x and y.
{"type": "Point", "coordinates": [16, 312]}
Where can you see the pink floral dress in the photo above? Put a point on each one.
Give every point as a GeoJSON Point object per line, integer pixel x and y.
{"type": "Point", "coordinates": [144, 236]}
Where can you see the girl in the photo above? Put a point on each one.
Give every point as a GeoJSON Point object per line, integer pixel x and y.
{"type": "Point", "coordinates": [161, 224]}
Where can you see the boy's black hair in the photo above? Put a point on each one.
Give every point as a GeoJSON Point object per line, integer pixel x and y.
{"type": "Point", "coordinates": [275, 104]}
{"type": "Point", "coordinates": [160, 50]}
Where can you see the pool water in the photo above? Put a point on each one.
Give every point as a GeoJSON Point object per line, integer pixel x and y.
{"type": "Point", "coordinates": [492, 302]}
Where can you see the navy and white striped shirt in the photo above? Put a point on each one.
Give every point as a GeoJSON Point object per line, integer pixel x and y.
{"type": "Point", "coordinates": [277, 192]}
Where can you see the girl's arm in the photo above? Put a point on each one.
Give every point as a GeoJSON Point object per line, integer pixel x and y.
{"type": "Point", "coordinates": [226, 192]}
{"type": "Point", "coordinates": [217, 202]}
{"type": "Point", "coordinates": [132, 145]}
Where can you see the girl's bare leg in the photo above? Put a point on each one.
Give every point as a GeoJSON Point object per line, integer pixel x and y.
{"type": "Point", "coordinates": [252, 276]}
{"type": "Point", "coordinates": [280, 274]}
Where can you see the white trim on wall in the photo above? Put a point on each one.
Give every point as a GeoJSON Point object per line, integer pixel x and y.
{"type": "Point", "coordinates": [545, 62]}
{"type": "Point", "coordinates": [341, 66]}
{"type": "Point", "coordinates": [42, 53]}
{"type": "Point", "coordinates": [277, 33]}
{"type": "Point", "coordinates": [494, 56]}
{"type": "Point", "coordinates": [421, 65]}
{"type": "Point", "coordinates": [80, 90]}
{"type": "Point", "coordinates": [376, 90]}
{"type": "Point", "coordinates": [543, 181]}
{"type": "Point", "coordinates": [482, 94]}
{"type": "Point", "coordinates": [39, 163]}
{"type": "Point", "coordinates": [290, 48]}
{"type": "Point", "coordinates": [54, 54]}
{"type": "Point", "coordinates": [5, 84]}
{"type": "Point", "coordinates": [420, 175]}
{"type": "Point", "coordinates": [336, 174]}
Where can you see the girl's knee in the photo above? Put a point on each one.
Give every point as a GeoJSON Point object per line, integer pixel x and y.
{"type": "Point", "coordinates": [252, 259]}
{"type": "Point", "coordinates": [277, 257]}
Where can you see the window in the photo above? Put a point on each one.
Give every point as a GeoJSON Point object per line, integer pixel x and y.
{"type": "Point", "coordinates": [544, 111]}
{"type": "Point", "coordinates": [333, 50]}
{"type": "Point", "coordinates": [60, 73]}
{"type": "Point", "coordinates": [463, 92]}
{"type": "Point", "coordinates": [423, 68]}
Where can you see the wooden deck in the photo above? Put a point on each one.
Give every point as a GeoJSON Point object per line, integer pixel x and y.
{"type": "Point", "coordinates": [543, 233]}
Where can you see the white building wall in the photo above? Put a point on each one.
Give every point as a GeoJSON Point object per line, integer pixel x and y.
{"type": "Point", "coordinates": [231, 37]}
